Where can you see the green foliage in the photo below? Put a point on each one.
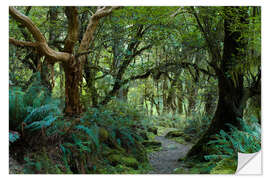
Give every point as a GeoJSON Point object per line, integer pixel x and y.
{"type": "Point", "coordinates": [225, 166]}
{"type": "Point", "coordinates": [120, 118]}
{"type": "Point", "coordinates": [168, 120]}
{"type": "Point", "coordinates": [42, 117]}
{"type": "Point", "coordinates": [227, 145]}
{"type": "Point", "coordinates": [17, 107]}
{"type": "Point", "coordinates": [34, 107]}
{"type": "Point", "coordinates": [41, 163]}
{"type": "Point", "coordinates": [224, 149]}
{"type": "Point", "coordinates": [13, 136]}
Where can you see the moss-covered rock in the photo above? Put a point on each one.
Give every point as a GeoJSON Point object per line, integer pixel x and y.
{"type": "Point", "coordinates": [173, 134]}
{"type": "Point", "coordinates": [116, 159]}
{"type": "Point", "coordinates": [179, 134]}
{"type": "Point", "coordinates": [153, 130]}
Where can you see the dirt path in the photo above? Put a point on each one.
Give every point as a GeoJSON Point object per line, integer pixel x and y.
{"type": "Point", "coordinates": [165, 161]}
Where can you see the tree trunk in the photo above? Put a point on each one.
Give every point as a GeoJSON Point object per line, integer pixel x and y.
{"type": "Point", "coordinates": [73, 75]}
{"type": "Point", "coordinates": [229, 111]}
{"type": "Point", "coordinates": [232, 94]}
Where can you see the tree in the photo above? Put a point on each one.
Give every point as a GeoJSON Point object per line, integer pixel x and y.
{"type": "Point", "coordinates": [72, 63]}
{"type": "Point", "coordinates": [232, 92]}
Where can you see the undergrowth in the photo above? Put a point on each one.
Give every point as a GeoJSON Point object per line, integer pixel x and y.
{"type": "Point", "coordinates": [85, 144]}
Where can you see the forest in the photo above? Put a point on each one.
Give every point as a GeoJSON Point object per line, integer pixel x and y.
{"type": "Point", "coordinates": [133, 90]}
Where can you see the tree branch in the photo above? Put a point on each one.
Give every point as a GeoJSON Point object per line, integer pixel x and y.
{"type": "Point", "coordinates": [22, 43]}
{"type": "Point", "coordinates": [92, 25]}
{"type": "Point", "coordinates": [73, 28]}
{"type": "Point", "coordinates": [38, 36]}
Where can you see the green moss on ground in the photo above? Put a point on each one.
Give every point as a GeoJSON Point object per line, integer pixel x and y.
{"type": "Point", "coordinates": [116, 159]}
{"type": "Point", "coordinates": [225, 166]}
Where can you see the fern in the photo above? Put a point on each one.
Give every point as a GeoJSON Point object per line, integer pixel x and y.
{"type": "Point", "coordinates": [42, 116]}
{"type": "Point", "coordinates": [92, 132]}
{"type": "Point", "coordinates": [227, 145]}
{"type": "Point", "coordinates": [13, 136]}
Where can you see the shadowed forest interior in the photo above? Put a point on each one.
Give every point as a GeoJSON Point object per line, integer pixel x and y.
{"type": "Point", "coordinates": [133, 90]}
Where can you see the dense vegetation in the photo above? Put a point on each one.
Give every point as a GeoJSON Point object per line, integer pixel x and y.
{"type": "Point", "coordinates": [90, 88]}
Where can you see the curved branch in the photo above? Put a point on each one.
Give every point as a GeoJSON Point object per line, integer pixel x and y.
{"type": "Point", "coordinates": [89, 33]}
{"type": "Point", "coordinates": [38, 36]}
{"type": "Point", "coordinates": [22, 43]}
{"type": "Point", "coordinates": [28, 23]}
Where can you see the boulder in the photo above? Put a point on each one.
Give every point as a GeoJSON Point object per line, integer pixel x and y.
{"type": "Point", "coordinates": [175, 133]}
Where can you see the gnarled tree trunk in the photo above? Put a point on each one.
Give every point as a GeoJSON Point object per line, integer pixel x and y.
{"type": "Point", "coordinates": [231, 92]}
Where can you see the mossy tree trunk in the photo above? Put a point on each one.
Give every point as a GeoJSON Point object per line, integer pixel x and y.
{"type": "Point", "coordinates": [231, 91]}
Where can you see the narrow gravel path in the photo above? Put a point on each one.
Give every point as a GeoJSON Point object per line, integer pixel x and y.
{"type": "Point", "coordinates": [165, 161]}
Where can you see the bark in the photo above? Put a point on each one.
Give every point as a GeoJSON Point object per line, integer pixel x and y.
{"type": "Point", "coordinates": [72, 93]}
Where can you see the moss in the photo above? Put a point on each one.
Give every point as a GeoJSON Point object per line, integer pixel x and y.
{"type": "Point", "coordinates": [225, 166]}
{"type": "Point", "coordinates": [179, 136]}
{"type": "Point", "coordinates": [175, 133]}
{"type": "Point", "coordinates": [180, 140]}
{"type": "Point", "coordinates": [180, 170]}
{"type": "Point", "coordinates": [116, 159]}
{"type": "Point", "coordinates": [122, 169]}
{"type": "Point", "coordinates": [151, 144]}
{"type": "Point", "coordinates": [139, 152]}
{"type": "Point", "coordinates": [153, 130]}
{"type": "Point", "coordinates": [103, 134]}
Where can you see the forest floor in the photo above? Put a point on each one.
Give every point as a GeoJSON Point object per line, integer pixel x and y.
{"type": "Point", "coordinates": [166, 160]}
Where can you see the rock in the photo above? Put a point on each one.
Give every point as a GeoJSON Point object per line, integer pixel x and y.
{"type": "Point", "coordinates": [153, 130]}
{"type": "Point", "coordinates": [116, 159]}
{"type": "Point", "coordinates": [151, 144]}
{"type": "Point", "coordinates": [176, 133]}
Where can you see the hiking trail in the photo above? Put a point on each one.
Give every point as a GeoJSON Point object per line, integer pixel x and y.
{"type": "Point", "coordinates": [165, 160]}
